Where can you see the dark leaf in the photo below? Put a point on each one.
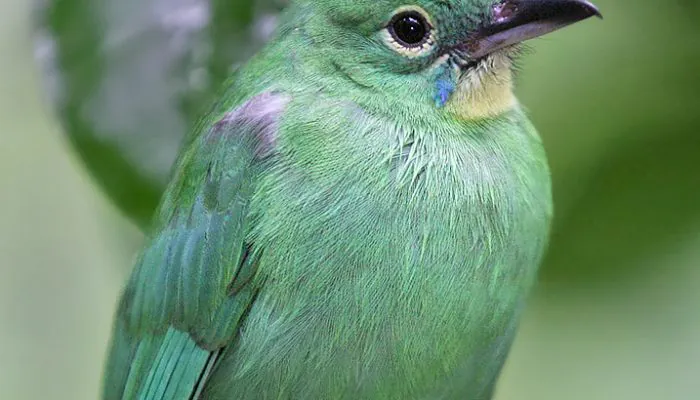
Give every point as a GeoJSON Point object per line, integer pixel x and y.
{"type": "Point", "coordinates": [128, 79]}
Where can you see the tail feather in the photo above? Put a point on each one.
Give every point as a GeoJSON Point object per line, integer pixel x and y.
{"type": "Point", "coordinates": [169, 366]}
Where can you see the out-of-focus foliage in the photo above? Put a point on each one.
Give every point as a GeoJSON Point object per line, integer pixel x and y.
{"type": "Point", "coordinates": [618, 107]}
{"type": "Point", "coordinates": [130, 77]}
{"type": "Point", "coordinates": [616, 316]}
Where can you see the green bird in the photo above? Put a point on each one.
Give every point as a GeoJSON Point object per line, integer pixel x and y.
{"type": "Point", "coordinates": [361, 216]}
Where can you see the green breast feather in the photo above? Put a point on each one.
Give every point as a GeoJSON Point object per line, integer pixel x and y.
{"type": "Point", "coordinates": [277, 265]}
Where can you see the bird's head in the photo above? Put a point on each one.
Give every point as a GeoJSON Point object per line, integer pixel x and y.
{"type": "Point", "coordinates": [455, 54]}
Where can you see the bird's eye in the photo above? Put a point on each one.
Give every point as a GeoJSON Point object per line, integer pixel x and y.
{"type": "Point", "coordinates": [409, 28]}
{"type": "Point", "coordinates": [410, 31]}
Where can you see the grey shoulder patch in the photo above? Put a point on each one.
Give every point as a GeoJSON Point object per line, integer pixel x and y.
{"type": "Point", "coordinates": [258, 117]}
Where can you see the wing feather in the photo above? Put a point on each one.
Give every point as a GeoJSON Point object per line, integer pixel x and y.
{"type": "Point", "coordinates": [190, 287]}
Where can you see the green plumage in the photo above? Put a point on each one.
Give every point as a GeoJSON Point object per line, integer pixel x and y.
{"type": "Point", "coordinates": [331, 233]}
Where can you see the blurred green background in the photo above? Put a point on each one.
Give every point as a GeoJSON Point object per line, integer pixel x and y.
{"type": "Point", "coordinates": [617, 313]}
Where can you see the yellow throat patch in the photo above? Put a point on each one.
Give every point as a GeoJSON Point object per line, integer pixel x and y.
{"type": "Point", "coordinates": [484, 92]}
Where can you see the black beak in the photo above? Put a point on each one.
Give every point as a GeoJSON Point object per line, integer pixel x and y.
{"type": "Point", "coordinates": [515, 21]}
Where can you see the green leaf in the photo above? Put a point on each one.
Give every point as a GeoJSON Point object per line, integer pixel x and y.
{"type": "Point", "coordinates": [128, 78]}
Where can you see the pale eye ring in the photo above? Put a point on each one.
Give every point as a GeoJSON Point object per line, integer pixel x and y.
{"type": "Point", "coordinates": [410, 32]}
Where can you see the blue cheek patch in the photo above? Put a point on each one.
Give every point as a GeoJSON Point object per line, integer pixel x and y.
{"type": "Point", "coordinates": [443, 90]}
{"type": "Point", "coordinates": [444, 86]}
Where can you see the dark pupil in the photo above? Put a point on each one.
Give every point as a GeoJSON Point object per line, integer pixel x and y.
{"type": "Point", "coordinates": [410, 29]}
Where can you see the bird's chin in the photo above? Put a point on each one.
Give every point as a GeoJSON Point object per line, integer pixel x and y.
{"type": "Point", "coordinates": [484, 88]}
{"type": "Point", "coordinates": [474, 64]}
{"type": "Point", "coordinates": [496, 60]}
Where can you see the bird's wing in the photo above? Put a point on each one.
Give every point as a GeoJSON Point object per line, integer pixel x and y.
{"type": "Point", "coordinates": [190, 286]}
